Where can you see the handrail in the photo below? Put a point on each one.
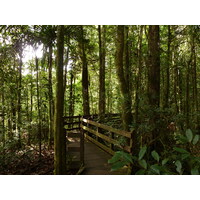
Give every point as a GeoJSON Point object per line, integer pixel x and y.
{"type": "Point", "coordinates": [108, 128]}
{"type": "Point", "coordinates": [87, 125]}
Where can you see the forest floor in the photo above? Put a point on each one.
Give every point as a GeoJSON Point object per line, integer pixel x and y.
{"type": "Point", "coordinates": [27, 161]}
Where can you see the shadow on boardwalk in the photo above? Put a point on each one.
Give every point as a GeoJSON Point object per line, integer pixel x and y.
{"type": "Point", "coordinates": [96, 161]}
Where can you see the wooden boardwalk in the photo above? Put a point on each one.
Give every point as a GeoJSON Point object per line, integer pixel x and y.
{"type": "Point", "coordinates": [91, 151]}
{"type": "Point", "coordinates": [96, 161]}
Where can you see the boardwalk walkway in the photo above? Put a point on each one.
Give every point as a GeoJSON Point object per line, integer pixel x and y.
{"type": "Point", "coordinates": [96, 161]}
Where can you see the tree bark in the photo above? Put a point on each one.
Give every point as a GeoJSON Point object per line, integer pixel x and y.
{"type": "Point", "coordinates": [39, 108]}
{"type": "Point", "coordinates": [102, 97]}
{"type": "Point", "coordinates": [154, 78]}
{"type": "Point", "coordinates": [126, 97]}
{"type": "Point", "coordinates": [59, 136]}
{"type": "Point", "coordinates": [85, 82]}
{"type": "Point", "coordinates": [51, 102]}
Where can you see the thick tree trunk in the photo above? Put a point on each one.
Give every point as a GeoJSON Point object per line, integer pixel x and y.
{"type": "Point", "coordinates": [138, 77]}
{"type": "Point", "coordinates": [102, 98]}
{"type": "Point", "coordinates": [167, 85]}
{"type": "Point", "coordinates": [154, 78]}
{"type": "Point", "coordinates": [85, 82]}
{"type": "Point", "coordinates": [59, 136]}
{"type": "Point", "coordinates": [126, 97]}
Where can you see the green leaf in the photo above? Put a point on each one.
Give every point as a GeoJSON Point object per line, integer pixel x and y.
{"type": "Point", "coordinates": [143, 163]}
{"type": "Point", "coordinates": [195, 171]}
{"type": "Point", "coordinates": [180, 150]}
{"type": "Point", "coordinates": [116, 157]}
{"type": "Point", "coordinates": [195, 139]}
{"type": "Point", "coordinates": [118, 165]}
{"type": "Point", "coordinates": [185, 155]}
{"type": "Point", "coordinates": [127, 157]}
{"type": "Point", "coordinates": [189, 135]}
{"type": "Point", "coordinates": [155, 155]}
{"type": "Point", "coordinates": [140, 172]}
{"type": "Point", "coordinates": [155, 168]}
{"type": "Point", "coordinates": [165, 161]}
{"type": "Point", "coordinates": [182, 138]}
{"type": "Point", "coordinates": [178, 166]}
{"type": "Point", "coordinates": [142, 152]}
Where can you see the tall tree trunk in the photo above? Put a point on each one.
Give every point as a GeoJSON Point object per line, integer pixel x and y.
{"type": "Point", "coordinates": [71, 94]}
{"type": "Point", "coordinates": [85, 82]}
{"type": "Point", "coordinates": [167, 86]}
{"type": "Point", "coordinates": [59, 135]}
{"type": "Point", "coordinates": [138, 77]}
{"type": "Point", "coordinates": [51, 102]}
{"type": "Point", "coordinates": [154, 78]}
{"type": "Point", "coordinates": [102, 98]}
{"type": "Point", "coordinates": [3, 110]}
{"type": "Point", "coordinates": [126, 97]}
{"type": "Point", "coordinates": [39, 108]}
{"type": "Point", "coordinates": [19, 123]}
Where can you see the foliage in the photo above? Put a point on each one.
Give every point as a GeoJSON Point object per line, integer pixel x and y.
{"type": "Point", "coordinates": [179, 161]}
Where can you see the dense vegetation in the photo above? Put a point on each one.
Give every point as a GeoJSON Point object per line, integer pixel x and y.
{"type": "Point", "coordinates": [149, 74]}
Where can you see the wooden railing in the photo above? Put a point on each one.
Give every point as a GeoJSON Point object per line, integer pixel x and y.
{"type": "Point", "coordinates": [106, 137]}
{"type": "Point", "coordinates": [74, 133]}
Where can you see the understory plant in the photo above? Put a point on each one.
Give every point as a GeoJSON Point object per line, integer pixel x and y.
{"type": "Point", "coordinates": [181, 160]}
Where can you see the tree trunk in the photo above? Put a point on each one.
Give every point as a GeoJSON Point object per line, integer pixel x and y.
{"type": "Point", "coordinates": [51, 102]}
{"type": "Point", "coordinates": [167, 86]}
{"type": "Point", "coordinates": [39, 108]}
{"type": "Point", "coordinates": [85, 82]}
{"type": "Point", "coordinates": [138, 77]}
{"type": "Point", "coordinates": [126, 97]}
{"type": "Point", "coordinates": [102, 98]}
{"type": "Point", "coordinates": [19, 101]}
{"type": "Point", "coordinates": [59, 136]}
{"type": "Point", "coordinates": [154, 78]}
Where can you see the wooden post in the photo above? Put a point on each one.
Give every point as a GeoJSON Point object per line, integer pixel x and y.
{"type": "Point", "coordinates": [81, 141]}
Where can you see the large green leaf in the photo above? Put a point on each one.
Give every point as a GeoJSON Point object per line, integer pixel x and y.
{"type": "Point", "coordinates": [178, 166]}
{"type": "Point", "coordinates": [143, 163]}
{"type": "Point", "coordinates": [189, 135]}
{"type": "Point", "coordinates": [155, 168]}
{"type": "Point", "coordinates": [195, 139]}
{"type": "Point", "coordinates": [155, 155]}
{"type": "Point", "coordinates": [140, 172]}
{"type": "Point", "coordinates": [127, 157]}
{"type": "Point", "coordinates": [116, 157]}
{"type": "Point", "coordinates": [184, 156]}
{"type": "Point", "coordinates": [195, 171]}
{"type": "Point", "coordinates": [180, 150]}
{"type": "Point", "coordinates": [165, 161]}
{"type": "Point", "coordinates": [118, 165]}
{"type": "Point", "coordinates": [142, 152]}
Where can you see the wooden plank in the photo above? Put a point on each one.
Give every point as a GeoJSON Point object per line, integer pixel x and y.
{"type": "Point", "coordinates": [71, 117]}
{"type": "Point", "coordinates": [108, 139]}
{"type": "Point", "coordinates": [73, 149]}
{"type": "Point", "coordinates": [71, 129]}
{"type": "Point", "coordinates": [105, 148]}
{"type": "Point", "coordinates": [71, 123]}
{"type": "Point", "coordinates": [82, 147]}
{"type": "Point", "coordinates": [108, 128]}
{"type": "Point", "coordinates": [73, 134]}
